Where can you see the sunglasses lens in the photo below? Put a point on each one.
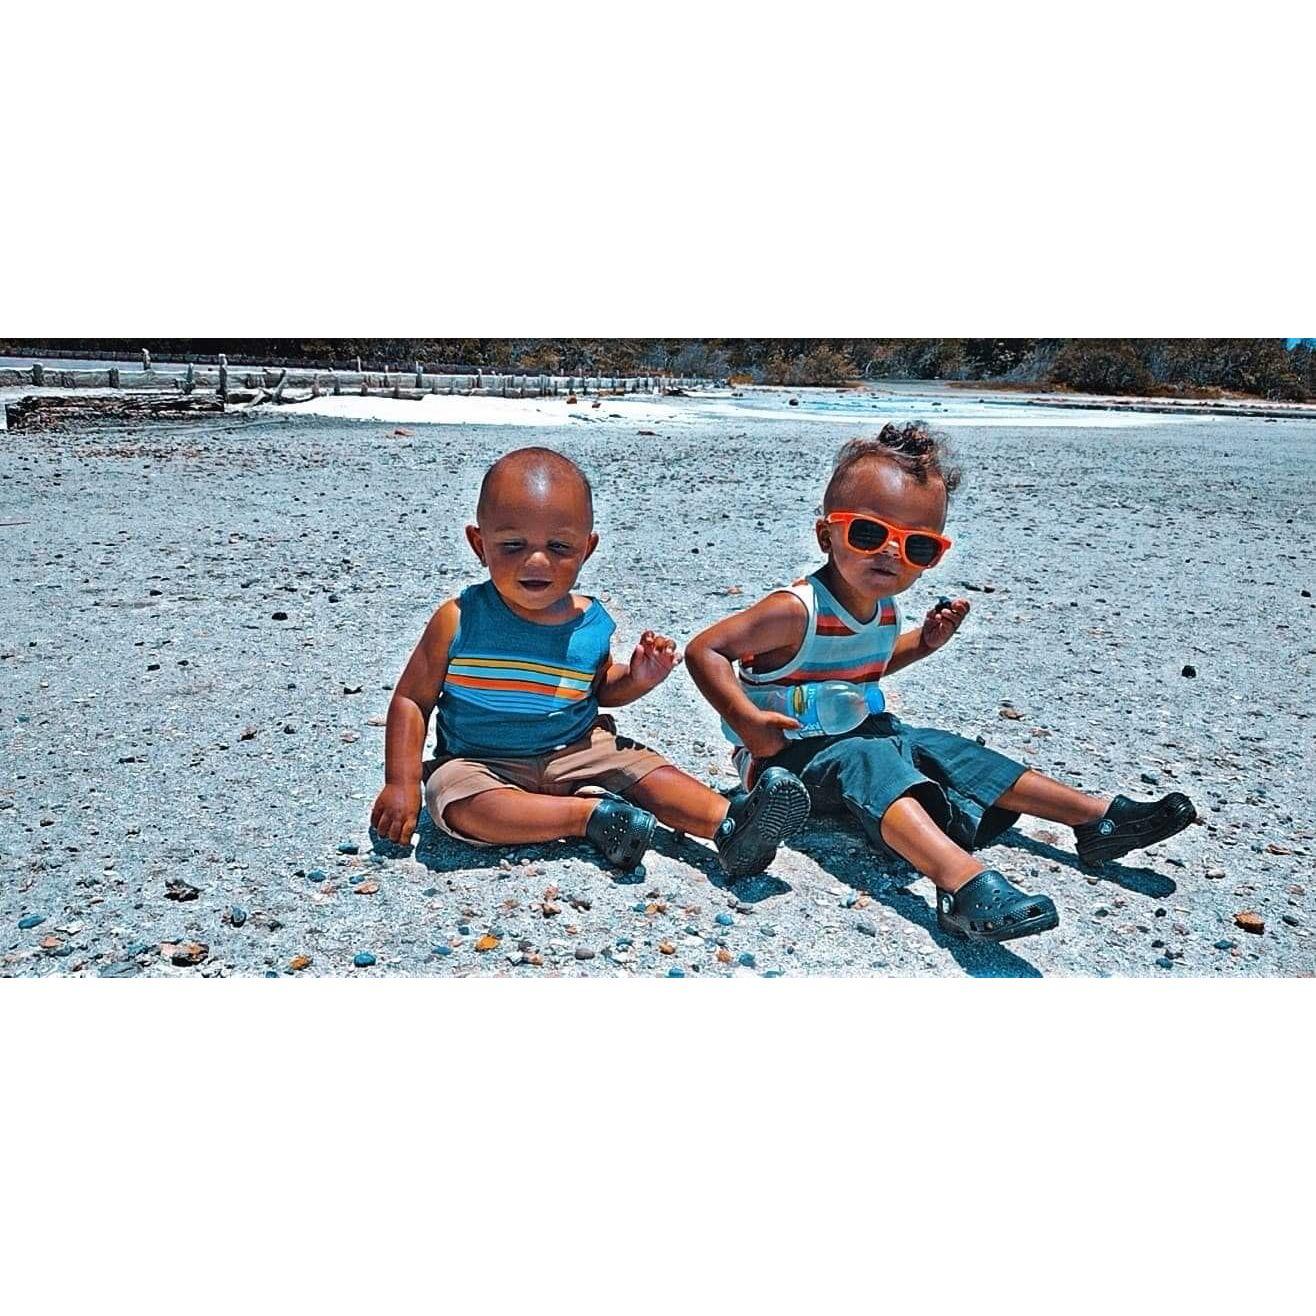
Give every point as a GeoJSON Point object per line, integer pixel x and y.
{"type": "Point", "coordinates": [923, 550]}
{"type": "Point", "coordinates": [867, 536]}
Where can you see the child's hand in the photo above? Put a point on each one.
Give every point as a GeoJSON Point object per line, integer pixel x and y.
{"type": "Point", "coordinates": [653, 660]}
{"type": "Point", "coordinates": [396, 811]}
{"type": "Point", "coordinates": [943, 620]}
{"type": "Point", "coordinates": [763, 736]}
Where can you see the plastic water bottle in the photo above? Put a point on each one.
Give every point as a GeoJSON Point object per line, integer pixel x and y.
{"type": "Point", "coordinates": [822, 708]}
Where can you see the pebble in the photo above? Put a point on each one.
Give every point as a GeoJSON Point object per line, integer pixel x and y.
{"type": "Point", "coordinates": [278, 616]}
{"type": "Point", "coordinates": [1189, 670]}
{"type": "Point", "coordinates": [177, 889]}
{"type": "Point", "coordinates": [867, 929]}
{"type": "Point", "coordinates": [316, 875]}
{"type": "Point", "coordinates": [348, 847]}
{"type": "Point", "coordinates": [137, 948]}
{"type": "Point", "coordinates": [746, 960]}
{"type": "Point", "coordinates": [442, 951]}
{"type": "Point", "coordinates": [1215, 874]}
{"type": "Point", "coordinates": [1250, 922]}
{"type": "Point", "coordinates": [1225, 944]}
{"type": "Point", "coordinates": [363, 959]}
{"type": "Point", "coordinates": [584, 953]}
{"type": "Point", "coordinates": [676, 972]}
{"type": "Point", "coordinates": [725, 921]}
{"type": "Point", "coordinates": [486, 942]}
{"type": "Point", "coordinates": [31, 921]}
{"type": "Point", "coordinates": [1151, 778]}
{"type": "Point", "coordinates": [1165, 962]}
{"type": "Point", "coordinates": [772, 973]}
{"type": "Point", "coordinates": [237, 916]}
{"type": "Point", "coordinates": [298, 963]}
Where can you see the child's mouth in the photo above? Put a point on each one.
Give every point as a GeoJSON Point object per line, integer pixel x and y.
{"type": "Point", "coordinates": [534, 586]}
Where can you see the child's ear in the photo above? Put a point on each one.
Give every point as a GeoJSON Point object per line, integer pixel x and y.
{"type": "Point", "coordinates": [475, 541]}
{"type": "Point", "coordinates": [590, 547]}
{"type": "Point", "coordinates": [824, 533]}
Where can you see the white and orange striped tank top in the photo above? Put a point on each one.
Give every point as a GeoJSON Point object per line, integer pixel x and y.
{"type": "Point", "coordinates": [836, 647]}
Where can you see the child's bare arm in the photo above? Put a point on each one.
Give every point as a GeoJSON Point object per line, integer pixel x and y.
{"type": "Point", "coordinates": [939, 626]}
{"type": "Point", "coordinates": [774, 625]}
{"type": "Point", "coordinates": [397, 806]}
{"type": "Point", "coordinates": [650, 666]}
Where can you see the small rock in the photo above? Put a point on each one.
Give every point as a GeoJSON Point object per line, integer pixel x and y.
{"type": "Point", "coordinates": [316, 875]}
{"type": "Point", "coordinates": [676, 971]}
{"type": "Point", "coordinates": [584, 953]}
{"type": "Point", "coordinates": [1292, 920]}
{"type": "Point", "coordinates": [185, 954]}
{"type": "Point", "coordinates": [237, 916]}
{"type": "Point", "coordinates": [1215, 874]}
{"type": "Point", "coordinates": [348, 847]}
{"type": "Point", "coordinates": [666, 948]}
{"type": "Point", "coordinates": [724, 956]}
{"type": "Point", "coordinates": [1151, 778]}
{"type": "Point", "coordinates": [363, 959]}
{"type": "Point", "coordinates": [1188, 670]}
{"type": "Point", "coordinates": [1013, 714]}
{"type": "Point", "coordinates": [1250, 922]}
{"type": "Point", "coordinates": [442, 951]}
{"type": "Point", "coordinates": [278, 616]}
{"type": "Point", "coordinates": [298, 963]}
{"type": "Point", "coordinates": [724, 921]}
{"type": "Point", "coordinates": [1225, 944]}
{"type": "Point", "coordinates": [746, 960]}
{"type": "Point", "coordinates": [866, 929]}
{"type": "Point", "coordinates": [31, 921]}
{"type": "Point", "coordinates": [177, 889]}
{"type": "Point", "coordinates": [1165, 962]}
{"type": "Point", "coordinates": [487, 942]}
{"type": "Point", "coordinates": [366, 888]}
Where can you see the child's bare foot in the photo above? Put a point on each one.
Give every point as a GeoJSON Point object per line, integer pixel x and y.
{"type": "Point", "coordinates": [1130, 825]}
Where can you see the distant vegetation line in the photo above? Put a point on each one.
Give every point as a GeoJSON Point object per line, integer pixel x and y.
{"type": "Point", "coordinates": [1259, 367]}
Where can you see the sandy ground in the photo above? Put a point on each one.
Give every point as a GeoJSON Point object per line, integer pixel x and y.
{"type": "Point", "coordinates": [158, 722]}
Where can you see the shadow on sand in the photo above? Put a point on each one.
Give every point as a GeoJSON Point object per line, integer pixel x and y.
{"type": "Point", "coordinates": [1141, 881]}
{"type": "Point", "coordinates": [887, 882]}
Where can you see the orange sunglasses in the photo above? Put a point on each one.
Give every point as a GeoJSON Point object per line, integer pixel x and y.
{"type": "Point", "coordinates": [867, 534]}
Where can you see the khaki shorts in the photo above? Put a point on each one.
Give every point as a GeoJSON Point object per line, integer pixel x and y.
{"type": "Point", "coordinates": [601, 759]}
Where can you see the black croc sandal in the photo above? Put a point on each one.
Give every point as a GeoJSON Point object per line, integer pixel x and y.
{"type": "Point", "coordinates": [757, 823]}
{"type": "Point", "coordinates": [1130, 825]}
{"type": "Point", "coordinates": [621, 832]}
{"type": "Point", "coordinates": [989, 908]}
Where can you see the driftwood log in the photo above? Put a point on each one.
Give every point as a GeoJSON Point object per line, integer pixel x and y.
{"type": "Point", "coordinates": [40, 413]}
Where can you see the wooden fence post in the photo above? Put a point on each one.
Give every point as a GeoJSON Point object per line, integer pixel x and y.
{"type": "Point", "coordinates": [315, 386]}
{"type": "Point", "coordinates": [146, 360]}
{"type": "Point", "coordinates": [420, 383]}
{"type": "Point", "coordinates": [38, 374]}
{"type": "Point", "coordinates": [189, 380]}
{"type": "Point", "coordinates": [114, 376]}
{"type": "Point", "coordinates": [223, 377]}
{"type": "Point", "coordinates": [338, 388]}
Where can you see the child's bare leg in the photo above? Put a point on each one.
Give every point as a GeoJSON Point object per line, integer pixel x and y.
{"type": "Point", "coordinates": [517, 817]}
{"type": "Point", "coordinates": [911, 833]}
{"type": "Point", "coordinates": [1043, 797]}
{"type": "Point", "coordinates": [677, 799]}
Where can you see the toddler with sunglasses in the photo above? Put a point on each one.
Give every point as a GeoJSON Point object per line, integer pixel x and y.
{"type": "Point", "coordinates": [518, 668]}
{"type": "Point", "coordinates": [927, 795]}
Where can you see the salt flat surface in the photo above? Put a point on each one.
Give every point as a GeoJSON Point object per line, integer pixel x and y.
{"type": "Point", "coordinates": [158, 722]}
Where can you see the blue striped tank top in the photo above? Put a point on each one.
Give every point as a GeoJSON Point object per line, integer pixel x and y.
{"type": "Point", "coordinates": [514, 689]}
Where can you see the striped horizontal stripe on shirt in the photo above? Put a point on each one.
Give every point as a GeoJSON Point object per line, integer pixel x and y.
{"type": "Point", "coordinates": [507, 676]}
